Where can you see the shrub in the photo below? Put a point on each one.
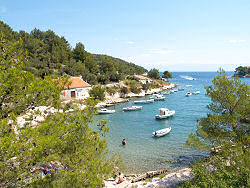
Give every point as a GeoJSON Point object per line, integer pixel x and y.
{"type": "Point", "coordinates": [124, 90]}
{"type": "Point", "coordinates": [111, 90]}
{"type": "Point", "coordinates": [97, 93]}
{"type": "Point", "coordinates": [135, 89]}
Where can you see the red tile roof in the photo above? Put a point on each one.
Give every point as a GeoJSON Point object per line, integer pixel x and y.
{"type": "Point", "coordinates": [76, 82]}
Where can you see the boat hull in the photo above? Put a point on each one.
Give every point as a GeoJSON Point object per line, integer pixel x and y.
{"type": "Point", "coordinates": [196, 92]}
{"type": "Point", "coordinates": [165, 116]}
{"type": "Point", "coordinates": [144, 101]}
{"type": "Point", "coordinates": [161, 132]}
{"type": "Point", "coordinates": [132, 109]}
{"type": "Point", "coordinates": [160, 99]}
{"type": "Point", "coordinates": [105, 112]}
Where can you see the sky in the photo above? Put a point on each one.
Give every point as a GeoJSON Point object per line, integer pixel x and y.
{"type": "Point", "coordinates": [174, 35]}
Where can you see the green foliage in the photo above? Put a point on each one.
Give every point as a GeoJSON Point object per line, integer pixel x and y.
{"type": "Point", "coordinates": [230, 168]}
{"type": "Point", "coordinates": [21, 90]}
{"type": "Point", "coordinates": [133, 78]}
{"type": "Point", "coordinates": [63, 138]}
{"type": "Point", "coordinates": [225, 129]}
{"type": "Point", "coordinates": [9, 33]}
{"type": "Point", "coordinates": [154, 85]}
{"type": "Point", "coordinates": [124, 90]}
{"type": "Point", "coordinates": [112, 90]}
{"type": "Point", "coordinates": [167, 75]}
{"type": "Point", "coordinates": [135, 89]}
{"type": "Point", "coordinates": [154, 73]}
{"type": "Point", "coordinates": [132, 82]}
{"type": "Point", "coordinates": [134, 86]}
{"type": "Point", "coordinates": [118, 65]}
{"type": "Point", "coordinates": [230, 105]}
{"type": "Point", "coordinates": [97, 93]}
{"type": "Point", "coordinates": [79, 52]}
{"type": "Point", "coordinates": [49, 54]}
{"type": "Point", "coordinates": [242, 71]}
{"type": "Point", "coordinates": [146, 86]}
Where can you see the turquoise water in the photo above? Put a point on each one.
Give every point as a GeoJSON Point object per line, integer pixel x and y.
{"type": "Point", "coordinates": [143, 152]}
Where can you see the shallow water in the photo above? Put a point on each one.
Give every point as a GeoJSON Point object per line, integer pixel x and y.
{"type": "Point", "coordinates": [143, 152]}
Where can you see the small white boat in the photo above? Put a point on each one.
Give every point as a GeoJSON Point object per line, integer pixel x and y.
{"type": "Point", "coordinates": [188, 94]}
{"type": "Point", "coordinates": [196, 92]}
{"type": "Point", "coordinates": [158, 97]}
{"type": "Point", "coordinates": [188, 85]}
{"type": "Point", "coordinates": [161, 132]}
{"type": "Point", "coordinates": [144, 101]}
{"type": "Point", "coordinates": [105, 111]}
{"type": "Point", "coordinates": [175, 90]}
{"type": "Point", "coordinates": [132, 108]}
{"type": "Point", "coordinates": [165, 113]}
{"type": "Point", "coordinates": [171, 91]}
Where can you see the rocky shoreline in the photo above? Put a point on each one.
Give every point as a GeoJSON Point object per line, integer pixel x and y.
{"type": "Point", "coordinates": [116, 98]}
{"type": "Point", "coordinates": [168, 180]}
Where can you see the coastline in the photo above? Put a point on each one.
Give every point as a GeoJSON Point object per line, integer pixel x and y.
{"type": "Point", "coordinates": [116, 98]}
{"type": "Point", "coordinates": [164, 180]}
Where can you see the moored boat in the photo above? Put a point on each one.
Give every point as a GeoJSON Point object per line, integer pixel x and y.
{"type": "Point", "coordinates": [105, 111]}
{"type": "Point", "coordinates": [165, 113]}
{"type": "Point", "coordinates": [180, 89]}
{"type": "Point", "coordinates": [144, 101]}
{"type": "Point", "coordinates": [196, 92]}
{"type": "Point", "coordinates": [188, 85]}
{"type": "Point", "coordinates": [161, 132]}
{"type": "Point", "coordinates": [158, 97]}
{"type": "Point", "coordinates": [188, 94]}
{"type": "Point", "coordinates": [132, 108]}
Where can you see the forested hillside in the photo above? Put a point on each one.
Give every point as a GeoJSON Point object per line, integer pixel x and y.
{"type": "Point", "coordinates": [50, 54]}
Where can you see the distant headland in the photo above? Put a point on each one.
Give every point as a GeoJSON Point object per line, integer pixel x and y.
{"type": "Point", "coordinates": [242, 72]}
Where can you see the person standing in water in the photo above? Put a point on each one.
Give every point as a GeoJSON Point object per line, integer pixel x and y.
{"type": "Point", "coordinates": [123, 141]}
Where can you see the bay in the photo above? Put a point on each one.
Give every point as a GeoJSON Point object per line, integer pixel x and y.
{"type": "Point", "coordinates": [143, 152]}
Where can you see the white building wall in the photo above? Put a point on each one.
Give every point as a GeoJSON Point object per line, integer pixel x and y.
{"type": "Point", "coordinates": [80, 93]}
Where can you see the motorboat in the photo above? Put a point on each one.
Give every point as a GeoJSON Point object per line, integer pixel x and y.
{"type": "Point", "coordinates": [171, 91]}
{"type": "Point", "coordinates": [132, 108]}
{"type": "Point", "coordinates": [165, 113]}
{"type": "Point", "coordinates": [196, 92]}
{"type": "Point", "coordinates": [175, 90]}
{"type": "Point", "coordinates": [158, 97]}
{"type": "Point", "coordinates": [161, 132]}
{"type": "Point", "coordinates": [188, 85]}
{"type": "Point", "coordinates": [144, 101]}
{"type": "Point", "coordinates": [105, 111]}
{"type": "Point", "coordinates": [188, 94]}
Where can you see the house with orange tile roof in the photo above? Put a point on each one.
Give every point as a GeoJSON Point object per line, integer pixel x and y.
{"type": "Point", "coordinates": [77, 88]}
{"type": "Point", "coordinates": [143, 79]}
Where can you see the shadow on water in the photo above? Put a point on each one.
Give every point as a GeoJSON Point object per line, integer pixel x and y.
{"type": "Point", "coordinates": [169, 118]}
{"type": "Point", "coordinates": [156, 137]}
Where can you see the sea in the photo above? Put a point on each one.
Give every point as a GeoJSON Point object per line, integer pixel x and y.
{"type": "Point", "coordinates": [143, 152]}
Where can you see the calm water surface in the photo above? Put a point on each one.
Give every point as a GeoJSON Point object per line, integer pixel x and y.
{"type": "Point", "coordinates": [143, 152]}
